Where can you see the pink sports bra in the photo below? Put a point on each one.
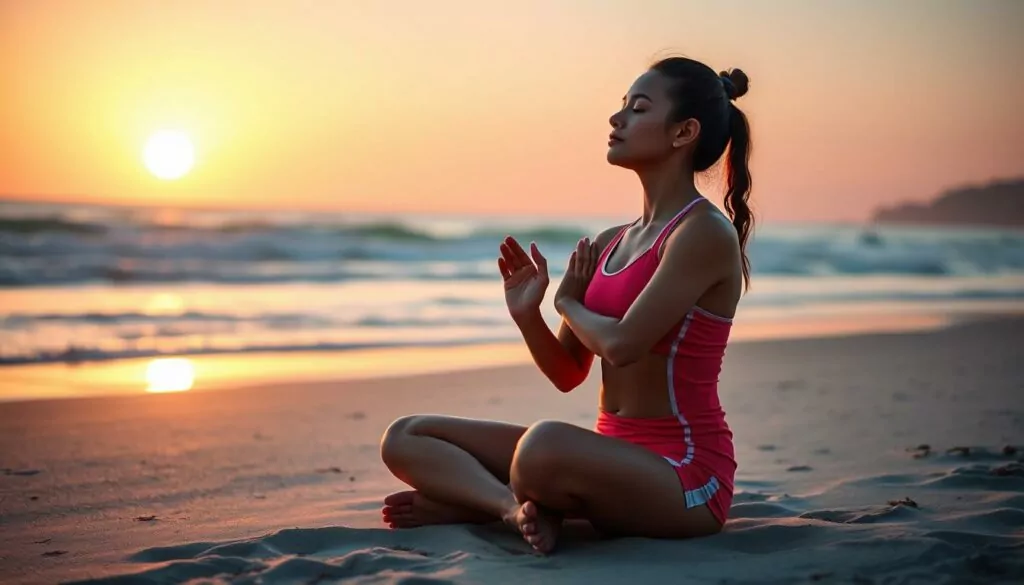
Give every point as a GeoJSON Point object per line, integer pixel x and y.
{"type": "Point", "coordinates": [612, 293]}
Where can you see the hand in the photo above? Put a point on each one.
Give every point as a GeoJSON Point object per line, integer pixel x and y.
{"type": "Point", "coordinates": [582, 263]}
{"type": "Point", "coordinates": [525, 280]}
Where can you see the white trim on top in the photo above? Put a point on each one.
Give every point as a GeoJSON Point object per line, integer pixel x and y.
{"type": "Point", "coordinates": [711, 315]}
{"type": "Point", "coordinates": [622, 234]}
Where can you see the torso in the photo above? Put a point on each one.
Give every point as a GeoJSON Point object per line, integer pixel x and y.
{"type": "Point", "coordinates": [640, 389]}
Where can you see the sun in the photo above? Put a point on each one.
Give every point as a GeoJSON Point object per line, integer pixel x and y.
{"type": "Point", "coordinates": [170, 375]}
{"type": "Point", "coordinates": [169, 154]}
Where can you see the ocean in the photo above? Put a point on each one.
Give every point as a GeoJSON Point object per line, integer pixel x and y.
{"type": "Point", "coordinates": [84, 283]}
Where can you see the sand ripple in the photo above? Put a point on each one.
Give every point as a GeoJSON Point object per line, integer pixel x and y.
{"type": "Point", "coordinates": [960, 524]}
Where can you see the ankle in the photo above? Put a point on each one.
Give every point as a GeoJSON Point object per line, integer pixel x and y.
{"type": "Point", "coordinates": [507, 508]}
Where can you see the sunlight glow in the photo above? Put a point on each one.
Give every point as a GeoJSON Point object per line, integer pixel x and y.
{"type": "Point", "coordinates": [169, 154]}
{"type": "Point", "coordinates": [165, 304]}
{"type": "Point", "coordinates": [170, 375]}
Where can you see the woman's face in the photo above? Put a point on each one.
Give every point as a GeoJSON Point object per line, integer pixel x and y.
{"type": "Point", "coordinates": [640, 136]}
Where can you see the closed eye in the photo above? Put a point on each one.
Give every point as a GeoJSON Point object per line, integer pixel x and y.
{"type": "Point", "coordinates": [639, 102]}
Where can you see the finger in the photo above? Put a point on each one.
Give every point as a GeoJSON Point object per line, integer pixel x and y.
{"type": "Point", "coordinates": [503, 269]}
{"type": "Point", "coordinates": [594, 255]}
{"type": "Point", "coordinates": [510, 257]}
{"type": "Point", "coordinates": [542, 262]}
{"type": "Point", "coordinates": [581, 257]}
{"type": "Point", "coordinates": [520, 254]}
{"type": "Point", "coordinates": [588, 252]}
{"type": "Point", "coordinates": [570, 269]}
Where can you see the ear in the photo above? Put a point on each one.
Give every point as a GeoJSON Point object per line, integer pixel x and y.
{"type": "Point", "coordinates": [686, 132]}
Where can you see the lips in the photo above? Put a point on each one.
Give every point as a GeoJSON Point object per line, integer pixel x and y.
{"type": "Point", "coordinates": [613, 139]}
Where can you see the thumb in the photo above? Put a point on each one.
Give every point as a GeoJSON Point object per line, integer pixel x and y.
{"type": "Point", "coordinates": [542, 262]}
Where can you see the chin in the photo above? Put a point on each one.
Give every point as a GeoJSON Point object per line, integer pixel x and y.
{"type": "Point", "coordinates": [616, 157]}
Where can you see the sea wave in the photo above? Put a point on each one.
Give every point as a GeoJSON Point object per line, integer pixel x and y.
{"type": "Point", "coordinates": [68, 245]}
{"type": "Point", "coordinates": [81, 283]}
{"type": "Point", "coordinates": [394, 231]}
{"type": "Point", "coordinates": [59, 251]}
{"type": "Point", "coordinates": [320, 318]}
{"type": "Point", "coordinates": [86, 353]}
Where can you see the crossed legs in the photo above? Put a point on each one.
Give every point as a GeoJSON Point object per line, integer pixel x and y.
{"type": "Point", "coordinates": [462, 470]}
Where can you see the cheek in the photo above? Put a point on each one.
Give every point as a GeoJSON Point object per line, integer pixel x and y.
{"type": "Point", "coordinates": [648, 135]}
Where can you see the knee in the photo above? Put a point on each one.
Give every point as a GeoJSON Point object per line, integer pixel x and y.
{"type": "Point", "coordinates": [539, 455]}
{"type": "Point", "coordinates": [394, 442]}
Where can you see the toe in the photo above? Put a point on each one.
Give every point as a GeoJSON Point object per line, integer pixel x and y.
{"type": "Point", "coordinates": [388, 511]}
{"type": "Point", "coordinates": [530, 510]}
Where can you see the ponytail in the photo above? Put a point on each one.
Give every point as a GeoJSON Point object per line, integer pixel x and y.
{"type": "Point", "coordinates": [738, 183]}
{"type": "Point", "coordinates": [700, 93]}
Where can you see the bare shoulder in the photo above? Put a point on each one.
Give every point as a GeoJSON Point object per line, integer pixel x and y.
{"type": "Point", "coordinates": [605, 236]}
{"type": "Point", "coordinates": [708, 230]}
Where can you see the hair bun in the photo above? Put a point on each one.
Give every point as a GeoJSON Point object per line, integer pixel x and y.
{"type": "Point", "coordinates": [736, 83]}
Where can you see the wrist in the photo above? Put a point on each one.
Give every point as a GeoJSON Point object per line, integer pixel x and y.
{"type": "Point", "coordinates": [527, 318]}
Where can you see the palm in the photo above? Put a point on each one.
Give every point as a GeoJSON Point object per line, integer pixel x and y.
{"type": "Point", "coordinates": [525, 277]}
{"type": "Point", "coordinates": [524, 290]}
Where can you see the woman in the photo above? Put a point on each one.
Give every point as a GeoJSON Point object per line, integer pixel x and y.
{"type": "Point", "coordinates": [654, 299]}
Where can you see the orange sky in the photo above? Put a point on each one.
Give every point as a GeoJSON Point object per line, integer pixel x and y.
{"type": "Point", "coordinates": [464, 106]}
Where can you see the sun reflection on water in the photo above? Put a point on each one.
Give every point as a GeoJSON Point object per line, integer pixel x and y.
{"type": "Point", "coordinates": [170, 375]}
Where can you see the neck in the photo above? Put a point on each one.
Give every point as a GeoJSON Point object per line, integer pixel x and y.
{"type": "Point", "coordinates": [667, 189]}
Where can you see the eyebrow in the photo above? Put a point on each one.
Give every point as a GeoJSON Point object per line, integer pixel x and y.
{"type": "Point", "coordinates": [639, 95]}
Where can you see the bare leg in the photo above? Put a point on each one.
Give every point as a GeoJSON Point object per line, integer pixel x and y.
{"type": "Point", "coordinates": [458, 466]}
{"type": "Point", "coordinates": [621, 488]}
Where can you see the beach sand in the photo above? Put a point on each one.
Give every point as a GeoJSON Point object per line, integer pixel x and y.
{"type": "Point", "coordinates": [283, 483]}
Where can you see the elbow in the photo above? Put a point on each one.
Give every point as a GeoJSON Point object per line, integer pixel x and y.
{"type": "Point", "coordinates": [566, 387]}
{"type": "Point", "coordinates": [569, 382]}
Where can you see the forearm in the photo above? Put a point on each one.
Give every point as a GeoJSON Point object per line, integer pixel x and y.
{"type": "Point", "coordinates": [599, 333]}
{"type": "Point", "coordinates": [553, 359]}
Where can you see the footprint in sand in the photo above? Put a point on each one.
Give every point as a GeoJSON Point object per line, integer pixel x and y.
{"type": "Point", "coordinates": [921, 451]}
{"type": "Point", "coordinates": [799, 468]}
{"type": "Point", "coordinates": [21, 472]}
{"type": "Point", "coordinates": [786, 385]}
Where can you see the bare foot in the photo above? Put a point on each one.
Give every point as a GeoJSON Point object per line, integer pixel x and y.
{"type": "Point", "coordinates": [409, 509]}
{"type": "Point", "coordinates": [539, 528]}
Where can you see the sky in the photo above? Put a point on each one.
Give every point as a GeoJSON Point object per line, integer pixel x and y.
{"type": "Point", "coordinates": [498, 107]}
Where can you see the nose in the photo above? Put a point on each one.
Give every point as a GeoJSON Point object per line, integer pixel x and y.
{"type": "Point", "coordinates": [616, 120]}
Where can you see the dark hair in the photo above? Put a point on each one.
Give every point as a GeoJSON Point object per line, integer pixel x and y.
{"type": "Point", "coordinates": [702, 94]}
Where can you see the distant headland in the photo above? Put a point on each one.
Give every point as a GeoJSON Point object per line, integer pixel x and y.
{"type": "Point", "coordinates": [999, 203]}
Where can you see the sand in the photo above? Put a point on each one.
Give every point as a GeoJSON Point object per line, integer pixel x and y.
{"type": "Point", "coordinates": [283, 483]}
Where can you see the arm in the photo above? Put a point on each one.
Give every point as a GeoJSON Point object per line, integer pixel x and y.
{"type": "Point", "coordinates": [562, 358]}
{"type": "Point", "coordinates": [559, 358]}
{"type": "Point", "coordinates": [697, 255]}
